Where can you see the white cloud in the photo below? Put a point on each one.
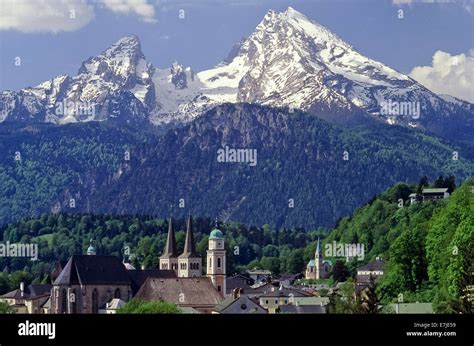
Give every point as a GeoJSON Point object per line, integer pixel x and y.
{"type": "Point", "coordinates": [30, 16]}
{"type": "Point", "coordinates": [44, 16]}
{"type": "Point", "coordinates": [465, 4]}
{"type": "Point", "coordinates": [139, 7]}
{"type": "Point", "coordinates": [449, 74]}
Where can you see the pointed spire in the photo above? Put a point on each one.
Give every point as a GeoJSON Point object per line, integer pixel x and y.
{"type": "Point", "coordinates": [189, 246]}
{"type": "Point", "coordinates": [170, 248]}
{"type": "Point", "coordinates": [318, 248]}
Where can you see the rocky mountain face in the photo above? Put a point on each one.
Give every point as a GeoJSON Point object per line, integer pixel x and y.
{"type": "Point", "coordinates": [288, 61]}
{"type": "Point", "coordinates": [291, 61]}
{"type": "Point", "coordinates": [251, 163]}
{"type": "Point", "coordinates": [116, 84]}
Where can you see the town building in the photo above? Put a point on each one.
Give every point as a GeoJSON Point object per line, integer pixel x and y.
{"type": "Point", "coordinates": [198, 293]}
{"type": "Point", "coordinates": [303, 309]}
{"type": "Point", "coordinates": [289, 279]}
{"type": "Point", "coordinates": [27, 300]}
{"type": "Point", "coordinates": [372, 271]}
{"type": "Point", "coordinates": [238, 303]}
{"type": "Point", "coordinates": [112, 306]}
{"type": "Point", "coordinates": [259, 275]}
{"type": "Point", "coordinates": [244, 283]}
{"type": "Point", "coordinates": [280, 296]}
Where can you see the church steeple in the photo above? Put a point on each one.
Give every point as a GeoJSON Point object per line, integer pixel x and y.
{"type": "Point", "coordinates": [318, 250]}
{"type": "Point", "coordinates": [189, 246]}
{"type": "Point", "coordinates": [216, 260]}
{"type": "Point", "coordinates": [170, 248]}
{"type": "Point", "coordinates": [169, 259]}
{"type": "Point", "coordinates": [189, 261]}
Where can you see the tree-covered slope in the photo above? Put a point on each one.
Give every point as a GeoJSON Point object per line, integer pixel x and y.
{"type": "Point", "coordinates": [309, 173]}
{"type": "Point", "coordinates": [41, 165]}
{"type": "Point", "coordinates": [428, 246]}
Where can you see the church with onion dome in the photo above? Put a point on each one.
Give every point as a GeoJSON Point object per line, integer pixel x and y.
{"type": "Point", "coordinates": [189, 263]}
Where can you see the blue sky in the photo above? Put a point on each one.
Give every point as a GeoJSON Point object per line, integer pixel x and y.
{"type": "Point", "coordinates": [210, 28]}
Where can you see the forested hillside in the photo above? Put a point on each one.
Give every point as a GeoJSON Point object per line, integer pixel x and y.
{"type": "Point", "coordinates": [308, 173]}
{"type": "Point", "coordinates": [42, 166]}
{"type": "Point", "coordinates": [428, 246]}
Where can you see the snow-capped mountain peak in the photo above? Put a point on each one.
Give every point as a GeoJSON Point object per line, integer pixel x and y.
{"type": "Point", "coordinates": [119, 73]}
{"type": "Point", "coordinates": [123, 62]}
{"type": "Point", "coordinates": [288, 61]}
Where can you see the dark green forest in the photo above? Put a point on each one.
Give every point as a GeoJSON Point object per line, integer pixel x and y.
{"type": "Point", "coordinates": [309, 173]}
{"type": "Point", "coordinates": [41, 165]}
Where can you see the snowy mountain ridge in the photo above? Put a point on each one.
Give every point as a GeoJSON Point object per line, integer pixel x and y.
{"type": "Point", "coordinates": [288, 61]}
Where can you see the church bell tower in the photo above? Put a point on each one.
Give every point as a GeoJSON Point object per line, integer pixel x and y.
{"type": "Point", "coordinates": [216, 260]}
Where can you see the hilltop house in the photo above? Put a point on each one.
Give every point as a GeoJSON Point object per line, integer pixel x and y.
{"type": "Point", "coordinates": [429, 194]}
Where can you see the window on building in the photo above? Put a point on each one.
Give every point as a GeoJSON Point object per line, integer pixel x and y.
{"type": "Point", "coordinates": [218, 262]}
{"type": "Point", "coordinates": [95, 301]}
{"type": "Point", "coordinates": [266, 301]}
{"type": "Point", "coordinates": [117, 294]}
{"type": "Point", "coordinates": [218, 288]}
{"type": "Point", "coordinates": [73, 302]}
{"type": "Point", "coordinates": [63, 306]}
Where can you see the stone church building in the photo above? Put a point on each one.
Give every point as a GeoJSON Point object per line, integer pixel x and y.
{"type": "Point", "coordinates": [88, 283]}
{"type": "Point", "coordinates": [318, 268]}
